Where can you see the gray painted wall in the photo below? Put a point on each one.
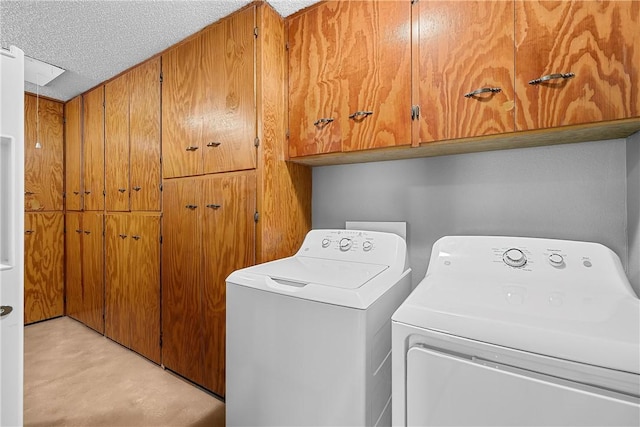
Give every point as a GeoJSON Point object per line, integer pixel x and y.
{"type": "Point", "coordinates": [575, 192]}
{"type": "Point", "coordinates": [633, 209]}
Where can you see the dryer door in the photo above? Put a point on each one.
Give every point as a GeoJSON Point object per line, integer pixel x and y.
{"type": "Point", "coordinates": [451, 389]}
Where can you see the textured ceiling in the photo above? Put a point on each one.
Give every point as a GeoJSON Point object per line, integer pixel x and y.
{"type": "Point", "coordinates": [96, 40]}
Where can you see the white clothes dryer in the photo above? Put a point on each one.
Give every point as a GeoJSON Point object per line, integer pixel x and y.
{"type": "Point", "coordinates": [309, 336]}
{"type": "Point", "coordinates": [518, 331]}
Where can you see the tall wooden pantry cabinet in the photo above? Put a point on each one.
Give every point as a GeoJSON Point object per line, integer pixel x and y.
{"type": "Point", "coordinates": [230, 199]}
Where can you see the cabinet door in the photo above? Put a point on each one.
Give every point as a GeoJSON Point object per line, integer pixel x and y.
{"type": "Point", "coordinates": [93, 270]}
{"type": "Point", "coordinates": [144, 285]}
{"type": "Point", "coordinates": [350, 62]}
{"type": "Point", "coordinates": [93, 146]}
{"type": "Point", "coordinates": [465, 47]}
{"type": "Point", "coordinates": [73, 260]}
{"type": "Point", "coordinates": [118, 279]}
{"type": "Point", "coordinates": [181, 277]}
{"type": "Point", "coordinates": [43, 153]}
{"type": "Point", "coordinates": [597, 41]}
{"type": "Point", "coordinates": [229, 106]}
{"type": "Point", "coordinates": [116, 129]}
{"type": "Point", "coordinates": [183, 113]}
{"type": "Point", "coordinates": [73, 154]}
{"type": "Point", "coordinates": [43, 266]}
{"type": "Point", "coordinates": [228, 233]}
{"type": "Point", "coordinates": [144, 113]}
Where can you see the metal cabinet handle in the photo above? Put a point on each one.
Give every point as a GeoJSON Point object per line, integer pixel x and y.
{"type": "Point", "coordinates": [123, 236]}
{"type": "Point", "coordinates": [214, 144]}
{"type": "Point", "coordinates": [28, 231]}
{"type": "Point", "coordinates": [137, 188]}
{"type": "Point", "coordinates": [76, 192]}
{"type": "Point", "coordinates": [551, 77]}
{"type": "Point", "coordinates": [191, 148]}
{"type": "Point", "coordinates": [29, 193]}
{"type": "Point", "coordinates": [192, 207]}
{"type": "Point", "coordinates": [87, 232]}
{"type": "Point", "coordinates": [214, 206]}
{"type": "Point", "coordinates": [87, 192]}
{"type": "Point", "coordinates": [360, 114]}
{"type": "Point", "coordinates": [5, 310]}
{"type": "Point", "coordinates": [122, 190]}
{"type": "Point", "coordinates": [78, 231]}
{"type": "Point", "coordinates": [323, 121]}
{"type": "Point", "coordinates": [134, 237]}
{"type": "Point", "coordinates": [482, 90]}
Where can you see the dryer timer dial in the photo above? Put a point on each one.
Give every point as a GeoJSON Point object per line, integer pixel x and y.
{"type": "Point", "coordinates": [514, 257]}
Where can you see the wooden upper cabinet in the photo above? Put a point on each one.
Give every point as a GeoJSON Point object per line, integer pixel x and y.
{"type": "Point", "coordinates": [208, 100]}
{"type": "Point", "coordinates": [597, 41]}
{"type": "Point", "coordinates": [144, 131]}
{"type": "Point", "coordinates": [465, 69]}
{"type": "Point", "coordinates": [43, 153]}
{"type": "Point", "coordinates": [73, 154]}
{"type": "Point", "coordinates": [132, 138]}
{"type": "Point", "coordinates": [350, 77]}
{"type": "Point", "coordinates": [116, 129]}
{"type": "Point", "coordinates": [93, 149]}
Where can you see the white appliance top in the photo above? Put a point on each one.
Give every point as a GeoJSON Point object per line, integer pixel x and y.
{"type": "Point", "coordinates": [344, 267]}
{"type": "Point", "coordinates": [563, 299]}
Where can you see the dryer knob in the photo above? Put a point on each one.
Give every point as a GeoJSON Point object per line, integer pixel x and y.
{"type": "Point", "coordinates": [326, 243]}
{"type": "Point", "coordinates": [345, 244]}
{"type": "Point", "coordinates": [514, 257]}
{"type": "Point", "coordinates": [366, 246]}
{"type": "Point", "coordinates": [556, 260]}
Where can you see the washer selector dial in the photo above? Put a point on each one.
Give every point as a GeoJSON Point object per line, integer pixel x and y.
{"type": "Point", "coordinates": [556, 260]}
{"type": "Point", "coordinates": [345, 244]}
{"type": "Point", "coordinates": [326, 243]}
{"type": "Point", "coordinates": [367, 245]}
{"type": "Point", "coordinates": [514, 257]}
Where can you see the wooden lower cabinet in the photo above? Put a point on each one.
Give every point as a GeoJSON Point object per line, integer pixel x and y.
{"type": "Point", "coordinates": [85, 268]}
{"type": "Point", "coordinates": [132, 284]}
{"type": "Point", "coordinates": [208, 232]}
{"type": "Point", "coordinates": [43, 266]}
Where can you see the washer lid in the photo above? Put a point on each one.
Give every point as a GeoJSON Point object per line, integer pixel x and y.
{"type": "Point", "coordinates": [301, 271]}
{"type": "Point", "coordinates": [596, 328]}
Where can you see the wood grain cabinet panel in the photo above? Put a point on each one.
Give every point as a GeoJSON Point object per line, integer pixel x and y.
{"type": "Point", "coordinates": [350, 77]}
{"type": "Point", "coordinates": [132, 288]}
{"type": "Point", "coordinates": [208, 232]}
{"type": "Point", "coordinates": [73, 154]}
{"type": "Point", "coordinates": [44, 266]}
{"type": "Point", "coordinates": [85, 268]}
{"type": "Point", "coordinates": [93, 149]}
{"type": "Point", "coordinates": [44, 150]}
{"type": "Point", "coordinates": [597, 41]}
{"type": "Point", "coordinates": [208, 100]}
{"type": "Point", "coordinates": [132, 135]}
{"type": "Point", "coordinates": [465, 47]}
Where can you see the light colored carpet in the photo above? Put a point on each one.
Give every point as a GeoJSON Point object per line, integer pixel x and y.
{"type": "Point", "coordinates": [74, 376]}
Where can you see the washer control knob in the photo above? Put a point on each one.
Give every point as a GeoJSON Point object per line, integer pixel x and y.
{"type": "Point", "coordinates": [367, 245]}
{"type": "Point", "coordinates": [326, 243]}
{"type": "Point", "coordinates": [556, 260]}
{"type": "Point", "coordinates": [345, 244]}
{"type": "Point", "coordinates": [514, 258]}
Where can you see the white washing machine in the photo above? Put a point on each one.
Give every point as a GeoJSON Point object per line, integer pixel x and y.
{"type": "Point", "coordinates": [518, 331]}
{"type": "Point", "coordinates": [309, 336]}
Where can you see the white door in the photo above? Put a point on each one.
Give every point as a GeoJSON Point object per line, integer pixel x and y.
{"type": "Point", "coordinates": [451, 390]}
{"type": "Point", "coordinates": [11, 235]}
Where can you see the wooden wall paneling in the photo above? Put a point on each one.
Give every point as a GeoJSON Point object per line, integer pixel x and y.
{"type": "Point", "coordinates": [465, 46]}
{"type": "Point", "coordinates": [74, 289]}
{"type": "Point", "coordinates": [93, 269]}
{"type": "Point", "coordinates": [116, 135]}
{"type": "Point", "coordinates": [145, 136]}
{"type": "Point", "coordinates": [118, 278]}
{"type": "Point", "coordinates": [181, 277]}
{"type": "Point", "coordinates": [230, 105]}
{"type": "Point", "coordinates": [144, 285]}
{"type": "Point", "coordinates": [93, 149]}
{"type": "Point", "coordinates": [228, 235]}
{"type": "Point", "coordinates": [375, 73]}
{"type": "Point", "coordinates": [314, 88]}
{"type": "Point", "coordinates": [44, 266]}
{"type": "Point", "coordinates": [284, 189]}
{"type": "Point", "coordinates": [43, 163]}
{"type": "Point", "coordinates": [598, 41]}
{"type": "Point", "coordinates": [73, 154]}
{"type": "Point", "coordinates": [183, 116]}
